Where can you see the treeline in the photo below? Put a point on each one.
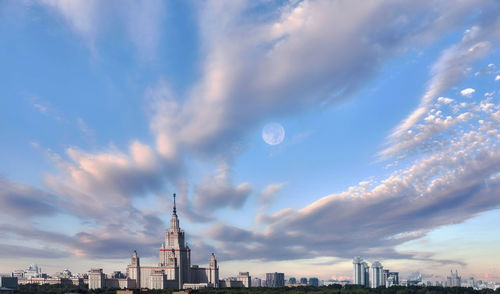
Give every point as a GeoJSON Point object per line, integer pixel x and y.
{"type": "Point", "coordinates": [332, 289]}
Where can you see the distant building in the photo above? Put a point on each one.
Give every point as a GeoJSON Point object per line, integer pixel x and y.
{"type": "Point", "coordinates": [392, 279]}
{"type": "Point", "coordinates": [377, 277]}
{"type": "Point", "coordinates": [245, 278]}
{"type": "Point", "coordinates": [313, 282]}
{"type": "Point", "coordinates": [275, 280]}
{"type": "Point", "coordinates": [292, 280]}
{"type": "Point", "coordinates": [385, 274]}
{"type": "Point", "coordinates": [454, 280]}
{"type": "Point", "coordinates": [256, 282]}
{"type": "Point", "coordinates": [230, 282]}
{"type": "Point", "coordinates": [8, 284]}
{"type": "Point", "coordinates": [361, 275]}
{"type": "Point", "coordinates": [303, 281]}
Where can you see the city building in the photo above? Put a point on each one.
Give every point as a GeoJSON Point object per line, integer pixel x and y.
{"type": "Point", "coordinates": [275, 280]}
{"type": "Point", "coordinates": [245, 278]}
{"type": "Point", "coordinates": [303, 281]}
{"type": "Point", "coordinates": [361, 274]}
{"type": "Point", "coordinates": [377, 278]}
{"type": "Point", "coordinates": [8, 284]}
{"type": "Point", "coordinates": [256, 282]}
{"type": "Point", "coordinates": [230, 282]}
{"type": "Point", "coordinates": [454, 280]}
{"type": "Point", "coordinates": [173, 271]}
{"type": "Point", "coordinates": [292, 281]}
{"type": "Point", "coordinates": [392, 279]}
{"type": "Point", "coordinates": [313, 282]}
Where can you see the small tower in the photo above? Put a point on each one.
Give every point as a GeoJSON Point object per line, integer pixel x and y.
{"type": "Point", "coordinates": [214, 271]}
{"type": "Point", "coordinates": [134, 269]}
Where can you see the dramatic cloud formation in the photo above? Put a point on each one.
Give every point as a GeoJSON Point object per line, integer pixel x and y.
{"type": "Point", "coordinates": [453, 65]}
{"type": "Point", "coordinates": [460, 179]}
{"type": "Point", "coordinates": [293, 58]}
{"type": "Point", "coordinates": [255, 69]}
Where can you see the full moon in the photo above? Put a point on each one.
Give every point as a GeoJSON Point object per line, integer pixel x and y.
{"type": "Point", "coordinates": [273, 133]}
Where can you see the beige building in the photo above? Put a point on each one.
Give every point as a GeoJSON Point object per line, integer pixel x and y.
{"type": "Point", "coordinates": [173, 271]}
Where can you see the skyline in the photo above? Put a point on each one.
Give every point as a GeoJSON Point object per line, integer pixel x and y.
{"type": "Point", "coordinates": [296, 134]}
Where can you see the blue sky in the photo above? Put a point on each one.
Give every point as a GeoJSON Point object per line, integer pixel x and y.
{"type": "Point", "coordinates": [390, 111]}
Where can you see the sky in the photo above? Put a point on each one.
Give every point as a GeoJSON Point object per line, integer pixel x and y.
{"type": "Point", "coordinates": [296, 134]}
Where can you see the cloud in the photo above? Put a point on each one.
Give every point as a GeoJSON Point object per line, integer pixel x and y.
{"type": "Point", "coordinates": [452, 66]}
{"type": "Point", "coordinates": [20, 251]}
{"type": "Point", "coordinates": [467, 92]}
{"type": "Point", "coordinates": [497, 78]}
{"type": "Point", "coordinates": [449, 185]}
{"type": "Point", "coordinates": [217, 191]}
{"type": "Point", "coordinates": [20, 200]}
{"type": "Point", "coordinates": [90, 19]}
{"type": "Point", "coordinates": [268, 194]}
{"type": "Point", "coordinates": [291, 61]}
{"type": "Point", "coordinates": [110, 242]}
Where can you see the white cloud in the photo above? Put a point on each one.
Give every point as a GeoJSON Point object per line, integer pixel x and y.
{"type": "Point", "coordinates": [311, 53]}
{"type": "Point", "coordinates": [90, 19]}
{"type": "Point", "coordinates": [497, 78]}
{"type": "Point", "coordinates": [467, 92]}
{"type": "Point", "coordinates": [444, 100]}
{"type": "Point", "coordinates": [450, 69]}
{"type": "Point", "coordinates": [450, 185]}
{"type": "Point", "coordinates": [268, 194]}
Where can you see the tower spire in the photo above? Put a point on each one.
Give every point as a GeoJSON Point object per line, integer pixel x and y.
{"type": "Point", "coordinates": [175, 210]}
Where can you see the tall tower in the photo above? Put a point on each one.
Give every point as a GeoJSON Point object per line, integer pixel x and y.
{"type": "Point", "coordinates": [174, 252]}
{"type": "Point", "coordinates": [213, 272]}
{"type": "Point", "coordinates": [358, 273]}
{"type": "Point", "coordinates": [377, 274]}
{"type": "Point", "coordinates": [134, 269]}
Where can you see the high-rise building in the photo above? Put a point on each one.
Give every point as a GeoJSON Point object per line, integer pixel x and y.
{"type": "Point", "coordinates": [275, 280]}
{"type": "Point", "coordinates": [313, 282]}
{"type": "Point", "coordinates": [173, 271]}
{"type": "Point", "coordinates": [377, 278]}
{"type": "Point", "coordinates": [357, 274]}
{"type": "Point", "coordinates": [256, 282]}
{"type": "Point", "coordinates": [303, 281]}
{"type": "Point", "coordinates": [361, 274]}
{"type": "Point", "coordinates": [244, 277]}
{"type": "Point", "coordinates": [454, 280]}
{"type": "Point", "coordinates": [292, 281]}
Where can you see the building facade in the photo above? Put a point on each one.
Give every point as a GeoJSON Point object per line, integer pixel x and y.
{"type": "Point", "coordinates": [361, 275]}
{"type": "Point", "coordinates": [377, 278]}
{"type": "Point", "coordinates": [245, 278]}
{"type": "Point", "coordinates": [454, 280]}
{"type": "Point", "coordinates": [173, 271]}
{"type": "Point", "coordinates": [275, 280]}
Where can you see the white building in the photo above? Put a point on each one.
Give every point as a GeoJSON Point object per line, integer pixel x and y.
{"type": "Point", "coordinates": [245, 278]}
{"type": "Point", "coordinates": [256, 282]}
{"type": "Point", "coordinates": [173, 271]}
{"type": "Point", "coordinates": [377, 278]}
{"type": "Point", "coordinates": [361, 272]}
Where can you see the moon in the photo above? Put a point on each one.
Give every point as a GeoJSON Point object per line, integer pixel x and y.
{"type": "Point", "coordinates": [273, 133]}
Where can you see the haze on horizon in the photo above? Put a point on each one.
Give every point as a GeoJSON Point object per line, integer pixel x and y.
{"type": "Point", "coordinates": [297, 134]}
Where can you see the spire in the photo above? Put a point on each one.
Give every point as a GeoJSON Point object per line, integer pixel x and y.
{"type": "Point", "coordinates": [175, 210]}
{"type": "Point", "coordinates": [174, 222]}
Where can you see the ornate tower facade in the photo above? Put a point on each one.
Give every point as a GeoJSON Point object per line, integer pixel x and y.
{"type": "Point", "coordinates": [213, 276]}
{"type": "Point", "coordinates": [134, 269]}
{"type": "Point", "coordinates": [174, 253]}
